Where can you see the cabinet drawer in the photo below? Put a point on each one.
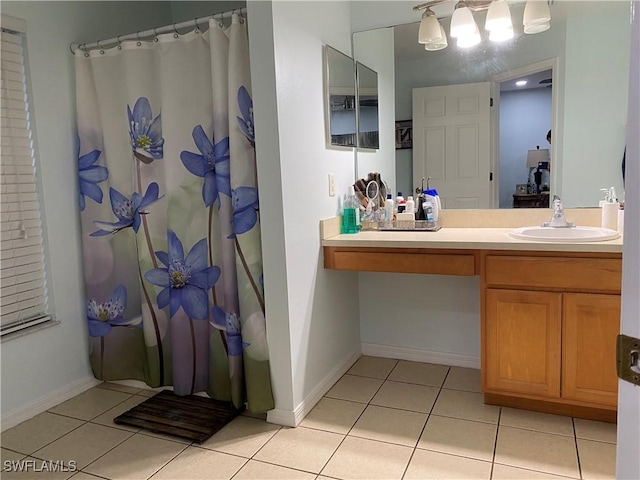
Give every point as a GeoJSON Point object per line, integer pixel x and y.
{"type": "Point", "coordinates": [572, 273]}
{"type": "Point", "coordinates": [425, 263]}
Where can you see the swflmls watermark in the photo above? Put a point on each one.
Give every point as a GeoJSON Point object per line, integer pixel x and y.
{"type": "Point", "coordinates": [33, 465]}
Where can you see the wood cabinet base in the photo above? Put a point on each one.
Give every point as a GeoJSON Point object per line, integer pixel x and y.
{"type": "Point", "coordinates": [556, 408]}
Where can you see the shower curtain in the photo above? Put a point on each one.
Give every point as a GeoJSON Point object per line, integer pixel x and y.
{"type": "Point", "coordinates": [170, 215]}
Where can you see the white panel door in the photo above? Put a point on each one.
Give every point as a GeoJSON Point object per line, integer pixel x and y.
{"type": "Point", "coordinates": [451, 143]}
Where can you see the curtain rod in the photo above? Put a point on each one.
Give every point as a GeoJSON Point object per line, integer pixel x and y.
{"type": "Point", "coordinates": [154, 31]}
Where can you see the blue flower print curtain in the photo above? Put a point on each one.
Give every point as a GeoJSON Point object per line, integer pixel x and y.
{"type": "Point", "coordinates": [170, 215]}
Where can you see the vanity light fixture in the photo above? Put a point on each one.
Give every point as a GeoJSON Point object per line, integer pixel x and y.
{"type": "Point", "coordinates": [536, 19]}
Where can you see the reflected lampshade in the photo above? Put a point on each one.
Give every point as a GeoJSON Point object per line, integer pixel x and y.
{"type": "Point", "coordinates": [498, 16]}
{"type": "Point", "coordinates": [536, 12]}
{"type": "Point", "coordinates": [430, 29]}
{"type": "Point", "coordinates": [462, 22]}
{"type": "Point", "coordinates": [536, 28]}
{"type": "Point", "coordinates": [438, 44]}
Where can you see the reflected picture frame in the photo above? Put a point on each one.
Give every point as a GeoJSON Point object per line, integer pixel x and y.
{"type": "Point", "coordinates": [404, 134]}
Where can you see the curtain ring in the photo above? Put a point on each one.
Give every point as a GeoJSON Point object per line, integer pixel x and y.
{"type": "Point", "coordinates": [100, 47]}
{"type": "Point", "coordinates": [119, 42]}
{"type": "Point", "coordinates": [155, 34]}
{"type": "Point", "coordinates": [197, 29]}
{"type": "Point", "coordinates": [221, 21]}
{"type": "Point", "coordinates": [73, 52]}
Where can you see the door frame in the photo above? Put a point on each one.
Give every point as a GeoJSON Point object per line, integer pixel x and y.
{"type": "Point", "coordinates": [552, 64]}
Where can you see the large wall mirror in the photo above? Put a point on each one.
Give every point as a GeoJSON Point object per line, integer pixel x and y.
{"type": "Point", "coordinates": [340, 98]}
{"type": "Point", "coordinates": [578, 69]}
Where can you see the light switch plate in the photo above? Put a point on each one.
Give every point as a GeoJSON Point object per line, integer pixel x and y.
{"type": "Point", "coordinates": [332, 185]}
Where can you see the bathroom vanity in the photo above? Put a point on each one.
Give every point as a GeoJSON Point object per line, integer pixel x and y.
{"type": "Point", "coordinates": [550, 312]}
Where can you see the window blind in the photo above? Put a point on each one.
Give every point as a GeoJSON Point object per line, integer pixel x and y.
{"type": "Point", "coordinates": [23, 286]}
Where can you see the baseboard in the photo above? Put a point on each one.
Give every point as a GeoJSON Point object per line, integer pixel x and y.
{"type": "Point", "coordinates": [293, 418]}
{"type": "Point", "coordinates": [13, 418]}
{"type": "Point", "coordinates": [419, 355]}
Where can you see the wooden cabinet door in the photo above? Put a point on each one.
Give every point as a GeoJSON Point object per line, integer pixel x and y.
{"type": "Point", "coordinates": [591, 324]}
{"type": "Point", "coordinates": [522, 342]}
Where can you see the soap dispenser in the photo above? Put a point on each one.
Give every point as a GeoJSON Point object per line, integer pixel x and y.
{"type": "Point", "coordinates": [609, 209]}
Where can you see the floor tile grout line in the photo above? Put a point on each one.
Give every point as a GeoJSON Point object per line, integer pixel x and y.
{"type": "Point", "coordinates": [495, 443]}
{"type": "Point", "coordinates": [116, 446]}
{"type": "Point", "coordinates": [359, 416]}
{"type": "Point", "coordinates": [103, 454]}
{"type": "Point", "coordinates": [246, 461]}
{"type": "Point", "coordinates": [425, 423]}
{"type": "Point", "coordinates": [575, 440]}
{"type": "Point", "coordinates": [58, 438]}
{"type": "Point", "coordinates": [167, 463]}
{"type": "Point", "coordinates": [275, 432]}
{"type": "Point", "coordinates": [529, 469]}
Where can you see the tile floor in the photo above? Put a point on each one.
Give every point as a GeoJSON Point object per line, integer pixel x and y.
{"type": "Point", "coordinates": [385, 419]}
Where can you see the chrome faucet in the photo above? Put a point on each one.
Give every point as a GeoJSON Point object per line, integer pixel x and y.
{"type": "Point", "coordinates": [557, 219]}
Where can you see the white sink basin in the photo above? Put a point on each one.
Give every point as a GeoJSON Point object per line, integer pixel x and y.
{"type": "Point", "coordinates": [564, 235]}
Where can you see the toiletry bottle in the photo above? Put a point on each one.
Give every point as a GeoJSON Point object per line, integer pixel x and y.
{"type": "Point", "coordinates": [432, 196]}
{"type": "Point", "coordinates": [411, 205]}
{"type": "Point", "coordinates": [428, 210]}
{"type": "Point", "coordinates": [388, 208]}
{"type": "Point", "coordinates": [610, 210]}
{"type": "Point", "coordinates": [400, 204]}
{"type": "Point", "coordinates": [350, 212]}
{"type": "Point", "coordinates": [621, 218]}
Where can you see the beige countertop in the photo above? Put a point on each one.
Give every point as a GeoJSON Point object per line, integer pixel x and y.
{"type": "Point", "coordinates": [458, 237]}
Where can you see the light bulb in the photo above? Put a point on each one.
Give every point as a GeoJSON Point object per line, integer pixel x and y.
{"type": "Point", "coordinates": [501, 35]}
{"type": "Point", "coordinates": [469, 40]}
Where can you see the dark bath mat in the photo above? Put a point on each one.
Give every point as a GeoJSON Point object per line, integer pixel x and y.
{"type": "Point", "coordinates": [191, 417]}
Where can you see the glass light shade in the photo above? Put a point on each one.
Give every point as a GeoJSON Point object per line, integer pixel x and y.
{"type": "Point", "coordinates": [536, 12]}
{"type": "Point", "coordinates": [439, 44]}
{"type": "Point", "coordinates": [501, 35]}
{"type": "Point", "coordinates": [539, 28]}
{"type": "Point", "coordinates": [430, 29]}
{"type": "Point", "coordinates": [462, 23]}
{"type": "Point", "coordinates": [469, 40]}
{"type": "Point", "coordinates": [498, 16]}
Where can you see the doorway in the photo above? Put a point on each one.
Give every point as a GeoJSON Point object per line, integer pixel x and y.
{"type": "Point", "coordinates": [522, 119]}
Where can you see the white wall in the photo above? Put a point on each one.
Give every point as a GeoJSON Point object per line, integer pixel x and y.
{"type": "Point", "coordinates": [436, 314]}
{"type": "Point", "coordinates": [374, 48]}
{"type": "Point", "coordinates": [41, 363]}
{"type": "Point", "coordinates": [312, 313]}
{"type": "Point", "coordinates": [525, 119]}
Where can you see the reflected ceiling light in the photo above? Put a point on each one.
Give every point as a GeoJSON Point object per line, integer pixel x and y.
{"type": "Point", "coordinates": [462, 22]}
{"type": "Point", "coordinates": [521, 83]}
{"type": "Point", "coordinates": [498, 16]}
{"type": "Point", "coordinates": [501, 35]}
{"type": "Point", "coordinates": [469, 39]}
{"type": "Point", "coordinates": [430, 29]}
{"type": "Point", "coordinates": [537, 28]}
{"type": "Point", "coordinates": [536, 19]}
{"type": "Point", "coordinates": [437, 44]}
{"type": "Point", "coordinates": [536, 12]}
